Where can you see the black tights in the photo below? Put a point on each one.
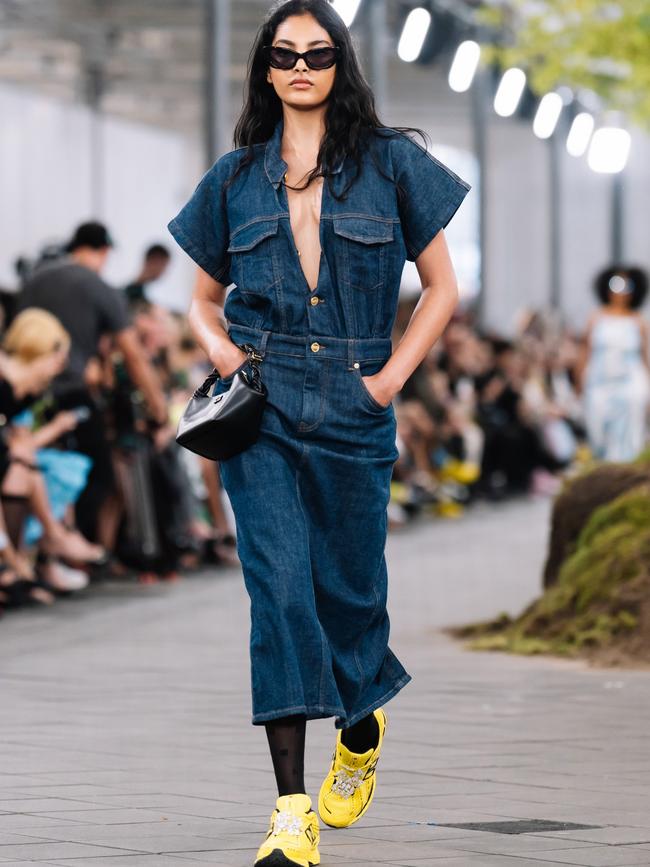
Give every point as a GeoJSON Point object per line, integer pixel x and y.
{"type": "Point", "coordinates": [286, 739]}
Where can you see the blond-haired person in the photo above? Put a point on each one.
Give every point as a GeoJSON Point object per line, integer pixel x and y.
{"type": "Point", "coordinates": [34, 351]}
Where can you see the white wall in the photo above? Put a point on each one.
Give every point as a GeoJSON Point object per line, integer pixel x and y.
{"type": "Point", "coordinates": [45, 186]}
{"type": "Point", "coordinates": [517, 186]}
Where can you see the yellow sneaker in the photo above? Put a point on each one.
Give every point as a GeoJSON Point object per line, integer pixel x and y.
{"type": "Point", "coordinates": [349, 787]}
{"type": "Point", "coordinates": [293, 835]}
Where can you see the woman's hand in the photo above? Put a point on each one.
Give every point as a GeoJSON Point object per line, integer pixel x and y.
{"type": "Point", "coordinates": [379, 388]}
{"type": "Point", "coordinates": [227, 358]}
{"type": "Point", "coordinates": [64, 422]}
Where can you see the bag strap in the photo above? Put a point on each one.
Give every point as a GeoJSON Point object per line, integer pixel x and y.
{"type": "Point", "coordinates": [254, 359]}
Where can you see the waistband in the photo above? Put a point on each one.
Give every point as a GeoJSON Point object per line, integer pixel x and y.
{"type": "Point", "coordinates": [313, 345]}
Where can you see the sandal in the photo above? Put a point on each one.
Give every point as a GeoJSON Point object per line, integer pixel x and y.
{"type": "Point", "coordinates": [21, 591]}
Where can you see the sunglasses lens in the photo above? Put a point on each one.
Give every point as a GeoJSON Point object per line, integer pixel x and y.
{"type": "Point", "coordinates": [282, 58]}
{"type": "Point", "coordinates": [321, 58]}
{"type": "Point", "coordinates": [285, 58]}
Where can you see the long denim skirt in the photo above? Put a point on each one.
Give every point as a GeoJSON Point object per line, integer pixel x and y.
{"type": "Point", "coordinates": [310, 499]}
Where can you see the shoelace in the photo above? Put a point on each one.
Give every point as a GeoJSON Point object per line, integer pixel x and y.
{"type": "Point", "coordinates": [347, 780]}
{"type": "Point", "coordinates": [287, 823]}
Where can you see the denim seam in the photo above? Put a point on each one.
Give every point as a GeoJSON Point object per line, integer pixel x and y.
{"type": "Point", "coordinates": [206, 262]}
{"type": "Point", "coordinates": [379, 702]}
{"type": "Point", "coordinates": [330, 357]}
{"type": "Point", "coordinates": [361, 637]}
{"type": "Point", "coordinates": [320, 628]}
{"type": "Point", "coordinates": [288, 711]}
{"type": "Point", "coordinates": [263, 219]}
{"type": "Point", "coordinates": [373, 217]}
{"type": "Point", "coordinates": [307, 429]}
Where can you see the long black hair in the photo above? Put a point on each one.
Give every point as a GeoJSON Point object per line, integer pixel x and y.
{"type": "Point", "coordinates": [351, 117]}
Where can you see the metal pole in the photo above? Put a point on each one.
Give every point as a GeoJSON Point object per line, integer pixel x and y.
{"type": "Point", "coordinates": [378, 59]}
{"type": "Point", "coordinates": [218, 131]}
{"type": "Point", "coordinates": [94, 92]}
{"type": "Point", "coordinates": [555, 294]}
{"type": "Point", "coordinates": [479, 97]}
{"type": "Point", "coordinates": [618, 217]}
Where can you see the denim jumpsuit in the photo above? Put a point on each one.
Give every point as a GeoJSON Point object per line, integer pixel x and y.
{"type": "Point", "coordinates": [310, 496]}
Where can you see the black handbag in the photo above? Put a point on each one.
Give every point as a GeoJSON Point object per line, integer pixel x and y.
{"type": "Point", "coordinates": [222, 425]}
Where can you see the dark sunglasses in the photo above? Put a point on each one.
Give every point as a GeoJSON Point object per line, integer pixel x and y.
{"type": "Point", "coordinates": [315, 58]}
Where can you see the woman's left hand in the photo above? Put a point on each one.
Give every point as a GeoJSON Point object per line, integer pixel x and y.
{"type": "Point", "coordinates": [378, 388]}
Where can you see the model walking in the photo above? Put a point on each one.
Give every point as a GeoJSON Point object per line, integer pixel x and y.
{"type": "Point", "coordinates": [312, 219]}
{"type": "Point", "coordinates": [616, 365]}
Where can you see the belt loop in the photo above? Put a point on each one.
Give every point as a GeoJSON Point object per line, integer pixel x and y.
{"type": "Point", "coordinates": [351, 353]}
{"type": "Point", "coordinates": [263, 342]}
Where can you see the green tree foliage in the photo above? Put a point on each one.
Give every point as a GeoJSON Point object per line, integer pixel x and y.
{"type": "Point", "coordinates": [602, 46]}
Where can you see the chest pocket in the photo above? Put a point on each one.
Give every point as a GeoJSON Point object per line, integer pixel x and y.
{"type": "Point", "coordinates": [254, 256]}
{"type": "Point", "coordinates": [364, 246]}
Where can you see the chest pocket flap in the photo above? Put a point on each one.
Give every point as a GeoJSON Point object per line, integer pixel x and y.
{"type": "Point", "coordinates": [255, 259]}
{"type": "Point", "coordinates": [363, 251]}
{"type": "Point", "coordinates": [364, 229]}
{"type": "Point", "coordinates": [251, 235]}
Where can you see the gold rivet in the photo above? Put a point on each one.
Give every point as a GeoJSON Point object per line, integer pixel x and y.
{"type": "Point", "coordinates": [315, 346]}
{"type": "Point", "coordinates": [356, 364]}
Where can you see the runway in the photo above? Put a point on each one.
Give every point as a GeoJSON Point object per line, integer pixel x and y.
{"type": "Point", "coordinates": [126, 736]}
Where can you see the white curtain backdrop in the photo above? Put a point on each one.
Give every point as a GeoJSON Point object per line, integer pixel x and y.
{"type": "Point", "coordinates": [46, 186]}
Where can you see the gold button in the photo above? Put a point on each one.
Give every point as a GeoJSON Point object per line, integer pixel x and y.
{"type": "Point", "coordinates": [314, 300]}
{"type": "Point", "coordinates": [315, 346]}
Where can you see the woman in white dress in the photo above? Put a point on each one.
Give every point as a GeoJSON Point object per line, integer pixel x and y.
{"type": "Point", "coordinates": [616, 367]}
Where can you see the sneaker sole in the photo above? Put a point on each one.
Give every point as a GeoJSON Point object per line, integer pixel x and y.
{"type": "Point", "coordinates": [277, 858]}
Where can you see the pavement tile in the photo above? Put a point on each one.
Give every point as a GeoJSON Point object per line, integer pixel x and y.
{"type": "Point", "coordinates": [126, 736]}
{"type": "Point", "coordinates": [30, 851]}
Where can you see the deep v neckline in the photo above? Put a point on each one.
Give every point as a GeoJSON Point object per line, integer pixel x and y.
{"type": "Point", "coordinates": [296, 253]}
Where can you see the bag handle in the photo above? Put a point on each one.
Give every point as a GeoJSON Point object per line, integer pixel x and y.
{"type": "Point", "coordinates": [254, 359]}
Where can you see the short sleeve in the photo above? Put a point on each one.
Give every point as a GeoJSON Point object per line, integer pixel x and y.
{"type": "Point", "coordinates": [111, 304]}
{"type": "Point", "coordinates": [432, 194]}
{"type": "Point", "coordinates": [201, 226]}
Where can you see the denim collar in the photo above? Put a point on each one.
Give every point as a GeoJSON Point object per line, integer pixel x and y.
{"type": "Point", "coordinates": [274, 164]}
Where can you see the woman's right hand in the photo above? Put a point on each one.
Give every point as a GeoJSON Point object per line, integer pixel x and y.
{"type": "Point", "coordinates": [228, 359]}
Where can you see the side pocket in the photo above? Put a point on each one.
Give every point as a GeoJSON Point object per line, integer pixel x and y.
{"type": "Point", "coordinates": [224, 382]}
{"type": "Point", "coordinates": [359, 373]}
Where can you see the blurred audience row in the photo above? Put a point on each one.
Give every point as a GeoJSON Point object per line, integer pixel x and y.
{"type": "Point", "coordinates": [93, 380]}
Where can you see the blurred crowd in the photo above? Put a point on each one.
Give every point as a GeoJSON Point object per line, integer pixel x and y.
{"type": "Point", "coordinates": [487, 418]}
{"type": "Point", "coordinates": [93, 380]}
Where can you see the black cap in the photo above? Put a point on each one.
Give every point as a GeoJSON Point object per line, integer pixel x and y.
{"type": "Point", "coordinates": [94, 235]}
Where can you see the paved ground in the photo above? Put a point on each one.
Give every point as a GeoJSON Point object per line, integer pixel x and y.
{"type": "Point", "coordinates": [126, 736]}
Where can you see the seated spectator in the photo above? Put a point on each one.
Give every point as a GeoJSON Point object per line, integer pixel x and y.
{"type": "Point", "coordinates": [34, 351]}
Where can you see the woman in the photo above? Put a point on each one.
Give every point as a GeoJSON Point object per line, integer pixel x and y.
{"type": "Point", "coordinates": [34, 350]}
{"type": "Point", "coordinates": [615, 367]}
{"type": "Point", "coordinates": [312, 218]}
